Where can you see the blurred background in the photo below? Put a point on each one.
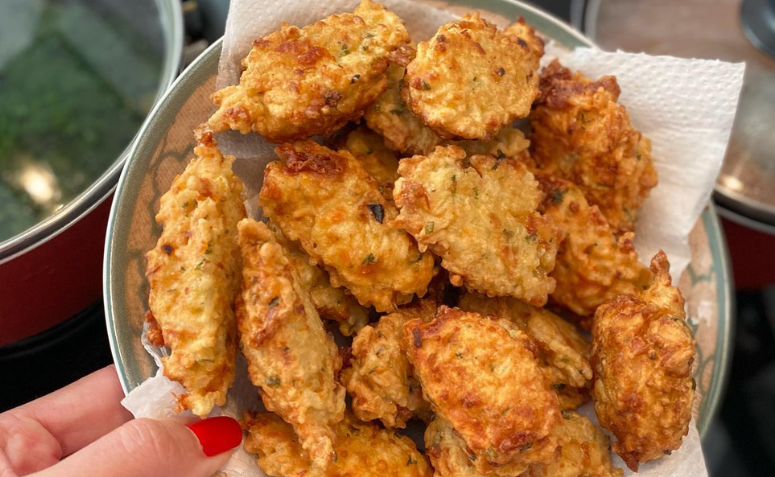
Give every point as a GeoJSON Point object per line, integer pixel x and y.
{"type": "Point", "coordinates": [96, 67]}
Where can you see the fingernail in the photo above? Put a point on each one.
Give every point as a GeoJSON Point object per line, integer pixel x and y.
{"type": "Point", "coordinates": [217, 434]}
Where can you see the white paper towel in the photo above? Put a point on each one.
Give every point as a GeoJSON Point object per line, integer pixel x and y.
{"type": "Point", "coordinates": [686, 108]}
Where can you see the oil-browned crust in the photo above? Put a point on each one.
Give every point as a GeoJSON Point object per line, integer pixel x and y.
{"type": "Point", "coordinates": [379, 161]}
{"type": "Point", "coordinates": [580, 133]}
{"type": "Point", "coordinates": [327, 202]}
{"type": "Point", "coordinates": [153, 334]}
{"type": "Point", "coordinates": [479, 214]}
{"type": "Point", "coordinates": [583, 452]}
{"type": "Point", "coordinates": [389, 116]}
{"type": "Point", "coordinates": [482, 375]}
{"type": "Point", "coordinates": [362, 450]}
{"type": "Point", "coordinates": [593, 264]}
{"type": "Point", "coordinates": [563, 352]}
{"type": "Point", "coordinates": [379, 377]}
{"type": "Point", "coordinates": [405, 133]}
{"type": "Point", "coordinates": [642, 355]}
{"type": "Point", "coordinates": [193, 273]}
{"type": "Point", "coordinates": [526, 35]}
{"type": "Point", "coordinates": [331, 303]}
{"type": "Point", "coordinates": [471, 79]}
{"type": "Point", "coordinates": [291, 358]}
{"type": "Point", "coordinates": [303, 82]}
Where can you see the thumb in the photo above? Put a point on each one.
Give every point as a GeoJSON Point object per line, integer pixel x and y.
{"type": "Point", "coordinates": [155, 448]}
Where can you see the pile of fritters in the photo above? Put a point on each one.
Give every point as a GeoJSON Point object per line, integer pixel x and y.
{"type": "Point", "coordinates": [459, 256]}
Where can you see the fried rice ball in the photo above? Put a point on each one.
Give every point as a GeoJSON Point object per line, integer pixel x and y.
{"type": "Point", "coordinates": [593, 264]}
{"type": "Point", "coordinates": [301, 82]}
{"type": "Point", "coordinates": [482, 375]}
{"type": "Point", "coordinates": [479, 215]}
{"type": "Point", "coordinates": [470, 80]}
{"type": "Point", "coordinates": [563, 353]}
{"type": "Point", "coordinates": [327, 202]}
{"type": "Point", "coordinates": [362, 450]}
{"type": "Point", "coordinates": [194, 276]}
{"type": "Point", "coordinates": [642, 355]}
{"type": "Point", "coordinates": [290, 356]}
{"type": "Point", "coordinates": [580, 133]}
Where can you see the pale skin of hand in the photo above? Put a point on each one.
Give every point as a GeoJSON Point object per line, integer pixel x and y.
{"type": "Point", "coordinates": [83, 430]}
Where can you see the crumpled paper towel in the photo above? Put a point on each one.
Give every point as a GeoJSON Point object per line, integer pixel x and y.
{"type": "Point", "coordinates": [686, 108]}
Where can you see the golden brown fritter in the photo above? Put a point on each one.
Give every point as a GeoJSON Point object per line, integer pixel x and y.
{"type": "Point", "coordinates": [303, 82]}
{"type": "Point", "coordinates": [593, 265]}
{"type": "Point", "coordinates": [580, 133]}
{"type": "Point", "coordinates": [470, 80]}
{"type": "Point", "coordinates": [526, 35]}
{"type": "Point", "coordinates": [380, 378]}
{"type": "Point", "coordinates": [328, 202]}
{"type": "Point", "coordinates": [290, 357]}
{"type": "Point", "coordinates": [390, 117]}
{"type": "Point", "coordinates": [562, 351]}
{"type": "Point", "coordinates": [379, 161]}
{"type": "Point", "coordinates": [362, 450]}
{"type": "Point", "coordinates": [447, 451]}
{"type": "Point", "coordinates": [585, 451]}
{"type": "Point", "coordinates": [510, 143]}
{"type": "Point", "coordinates": [479, 215]}
{"type": "Point", "coordinates": [404, 132]}
{"type": "Point", "coordinates": [331, 303]}
{"type": "Point", "coordinates": [642, 355]}
{"type": "Point", "coordinates": [194, 276]}
{"type": "Point", "coordinates": [482, 375]}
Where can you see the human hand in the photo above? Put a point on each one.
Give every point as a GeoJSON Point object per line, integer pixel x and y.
{"type": "Point", "coordinates": [83, 430]}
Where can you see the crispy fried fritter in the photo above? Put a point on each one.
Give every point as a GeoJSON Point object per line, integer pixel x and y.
{"type": "Point", "coordinates": [331, 303]}
{"type": "Point", "coordinates": [526, 35]}
{"type": "Point", "coordinates": [290, 357]}
{"type": "Point", "coordinates": [482, 376]}
{"type": "Point", "coordinates": [328, 202]}
{"type": "Point", "coordinates": [510, 143]}
{"type": "Point", "coordinates": [642, 355]}
{"type": "Point", "coordinates": [563, 351]}
{"type": "Point", "coordinates": [405, 133]}
{"type": "Point", "coordinates": [194, 276]}
{"type": "Point", "coordinates": [581, 134]}
{"type": "Point", "coordinates": [380, 378]}
{"type": "Point", "coordinates": [378, 160]}
{"type": "Point", "coordinates": [302, 82]}
{"type": "Point", "coordinates": [471, 79]}
{"type": "Point", "coordinates": [390, 117]}
{"type": "Point", "coordinates": [593, 265]}
{"type": "Point", "coordinates": [585, 451]}
{"type": "Point", "coordinates": [479, 215]}
{"type": "Point", "coordinates": [362, 450]}
{"type": "Point", "coordinates": [447, 451]}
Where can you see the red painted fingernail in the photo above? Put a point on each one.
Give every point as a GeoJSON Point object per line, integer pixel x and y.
{"type": "Point", "coordinates": [217, 434]}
